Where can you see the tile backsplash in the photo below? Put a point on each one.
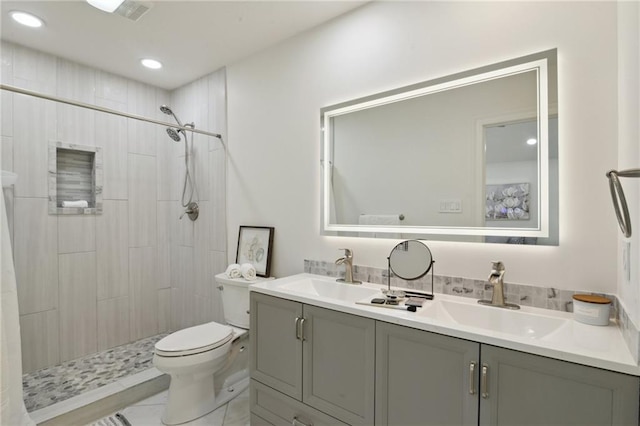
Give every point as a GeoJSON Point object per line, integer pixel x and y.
{"type": "Point", "coordinates": [525, 295]}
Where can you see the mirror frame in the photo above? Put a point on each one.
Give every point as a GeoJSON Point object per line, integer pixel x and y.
{"type": "Point", "coordinates": [407, 242]}
{"type": "Point", "coordinates": [538, 62]}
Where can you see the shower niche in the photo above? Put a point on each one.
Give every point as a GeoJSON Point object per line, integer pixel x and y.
{"type": "Point", "coordinates": [75, 179]}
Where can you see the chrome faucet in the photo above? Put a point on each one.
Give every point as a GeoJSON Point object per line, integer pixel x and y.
{"type": "Point", "coordinates": [347, 260]}
{"type": "Point", "coordinates": [496, 279]}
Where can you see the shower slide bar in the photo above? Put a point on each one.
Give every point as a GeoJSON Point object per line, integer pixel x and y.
{"type": "Point", "coordinates": [105, 110]}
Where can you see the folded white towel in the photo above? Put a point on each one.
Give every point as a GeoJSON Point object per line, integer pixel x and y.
{"type": "Point", "coordinates": [248, 271]}
{"type": "Point", "coordinates": [379, 219]}
{"type": "Point", "coordinates": [78, 204]}
{"type": "Point", "coordinates": [233, 271]}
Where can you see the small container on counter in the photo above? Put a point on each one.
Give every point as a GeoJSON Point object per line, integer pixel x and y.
{"type": "Point", "coordinates": [591, 309]}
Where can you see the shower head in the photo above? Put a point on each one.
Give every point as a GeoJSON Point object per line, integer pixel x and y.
{"type": "Point", "coordinates": [174, 134]}
{"type": "Point", "coordinates": [167, 110]}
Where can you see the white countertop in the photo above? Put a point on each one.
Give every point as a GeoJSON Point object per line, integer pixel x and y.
{"type": "Point", "coordinates": [602, 347]}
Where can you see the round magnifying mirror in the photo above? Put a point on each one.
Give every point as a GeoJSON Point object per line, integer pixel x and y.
{"type": "Point", "coordinates": [410, 260]}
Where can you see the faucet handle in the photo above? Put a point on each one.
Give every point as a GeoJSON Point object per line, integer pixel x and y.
{"type": "Point", "coordinates": [347, 252]}
{"type": "Point", "coordinates": [497, 266]}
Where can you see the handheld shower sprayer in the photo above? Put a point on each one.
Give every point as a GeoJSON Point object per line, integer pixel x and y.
{"type": "Point", "coordinates": [167, 110]}
{"type": "Point", "coordinates": [174, 134]}
{"type": "Point", "coordinates": [192, 209]}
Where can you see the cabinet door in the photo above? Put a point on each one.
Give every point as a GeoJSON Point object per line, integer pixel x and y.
{"type": "Point", "coordinates": [276, 352]}
{"type": "Point", "coordinates": [424, 378]}
{"type": "Point", "coordinates": [338, 364]}
{"type": "Point", "coordinates": [525, 389]}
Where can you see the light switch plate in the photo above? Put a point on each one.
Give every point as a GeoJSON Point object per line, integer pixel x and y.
{"type": "Point", "coordinates": [450, 205]}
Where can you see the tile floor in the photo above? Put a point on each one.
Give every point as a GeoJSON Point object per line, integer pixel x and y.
{"type": "Point", "coordinates": [51, 385]}
{"type": "Point", "coordinates": [148, 412]}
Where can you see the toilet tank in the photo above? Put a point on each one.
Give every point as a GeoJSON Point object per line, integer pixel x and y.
{"type": "Point", "coordinates": [235, 299]}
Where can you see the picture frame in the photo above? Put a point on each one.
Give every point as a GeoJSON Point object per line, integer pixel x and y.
{"type": "Point", "coordinates": [255, 244]}
{"type": "Point", "coordinates": [507, 201]}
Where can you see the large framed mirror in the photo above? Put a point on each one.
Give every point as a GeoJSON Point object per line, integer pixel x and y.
{"type": "Point", "coordinates": [467, 157]}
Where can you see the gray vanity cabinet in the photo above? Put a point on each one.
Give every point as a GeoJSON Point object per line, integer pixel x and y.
{"type": "Point", "coordinates": [311, 365]}
{"type": "Point", "coordinates": [338, 361]}
{"type": "Point", "coordinates": [525, 389]}
{"type": "Point", "coordinates": [321, 357]}
{"type": "Point", "coordinates": [424, 378]}
{"type": "Point", "coordinates": [276, 351]}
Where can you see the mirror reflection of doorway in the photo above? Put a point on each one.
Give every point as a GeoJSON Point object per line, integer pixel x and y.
{"type": "Point", "coordinates": [511, 176]}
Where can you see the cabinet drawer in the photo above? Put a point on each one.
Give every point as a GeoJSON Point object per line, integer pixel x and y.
{"type": "Point", "coordinates": [279, 409]}
{"type": "Point", "coordinates": [258, 421]}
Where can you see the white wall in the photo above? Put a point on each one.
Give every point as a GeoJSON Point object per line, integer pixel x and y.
{"type": "Point", "coordinates": [629, 145]}
{"type": "Point", "coordinates": [274, 143]}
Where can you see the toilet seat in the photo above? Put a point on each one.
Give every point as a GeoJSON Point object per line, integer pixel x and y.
{"type": "Point", "coordinates": [194, 340]}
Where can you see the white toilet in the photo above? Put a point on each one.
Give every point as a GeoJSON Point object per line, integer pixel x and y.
{"type": "Point", "coordinates": [208, 364]}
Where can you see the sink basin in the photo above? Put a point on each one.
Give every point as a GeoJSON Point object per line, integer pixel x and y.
{"type": "Point", "coordinates": [517, 323]}
{"type": "Point", "coordinates": [331, 289]}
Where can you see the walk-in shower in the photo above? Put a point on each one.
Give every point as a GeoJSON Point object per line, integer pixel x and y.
{"type": "Point", "coordinates": [86, 328]}
{"type": "Point", "coordinates": [191, 206]}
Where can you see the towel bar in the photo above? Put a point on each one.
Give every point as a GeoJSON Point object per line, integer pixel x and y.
{"type": "Point", "coordinates": [618, 198]}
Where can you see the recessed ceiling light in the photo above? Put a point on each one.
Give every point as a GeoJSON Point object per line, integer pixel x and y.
{"type": "Point", "coordinates": [532, 141]}
{"type": "Point", "coordinates": [26, 19]}
{"type": "Point", "coordinates": [151, 63]}
{"type": "Point", "coordinates": [106, 5]}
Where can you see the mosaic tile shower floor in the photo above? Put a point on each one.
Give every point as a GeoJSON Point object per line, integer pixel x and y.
{"type": "Point", "coordinates": [51, 385]}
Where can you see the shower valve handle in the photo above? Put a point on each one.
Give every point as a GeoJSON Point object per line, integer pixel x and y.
{"type": "Point", "coordinates": [192, 211]}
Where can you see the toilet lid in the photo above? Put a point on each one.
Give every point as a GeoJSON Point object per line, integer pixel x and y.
{"type": "Point", "coordinates": [199, 338]}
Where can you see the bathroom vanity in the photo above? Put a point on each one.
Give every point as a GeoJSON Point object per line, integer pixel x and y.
{"type": "Point", "coordinates": [318, 357]}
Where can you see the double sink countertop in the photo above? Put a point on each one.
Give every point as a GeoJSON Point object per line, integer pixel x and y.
{"type": "Point", "coordinates": [544, 332]}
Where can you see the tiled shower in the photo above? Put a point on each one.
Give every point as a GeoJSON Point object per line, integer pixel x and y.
{"type": "Point", "coordinates": [91, 282]}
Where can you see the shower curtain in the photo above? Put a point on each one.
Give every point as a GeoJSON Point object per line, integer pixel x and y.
{"type": "Point", "coordinates": [12, 409]}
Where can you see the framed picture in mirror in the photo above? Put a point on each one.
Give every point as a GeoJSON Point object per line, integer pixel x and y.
{"type": "Point", "coordinates": [509, 201]}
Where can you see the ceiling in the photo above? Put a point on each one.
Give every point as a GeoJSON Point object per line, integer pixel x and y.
{"type": "Point", "coordinates": [190, 38]}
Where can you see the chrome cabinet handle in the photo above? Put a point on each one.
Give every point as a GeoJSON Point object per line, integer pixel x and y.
{"type": "Point", "coordinates": [296, 422]}
{"type": "Point", "coordinates": [302, 320]}
{"type": "Point", "coordinates": [298, 328]}
{"type": "Point", "coordinates": [485, 381]}
{"type": "Point", "coordinates": [472, 378]}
